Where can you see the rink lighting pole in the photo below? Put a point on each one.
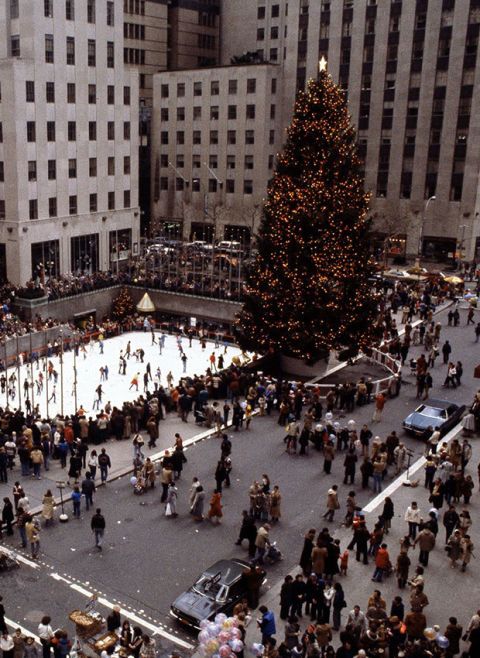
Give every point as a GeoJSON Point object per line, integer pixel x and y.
{"type": "Point", "coordinates": [75, 370]}
{"type": "Point", "coordinates": [6, 372]}
{"type": "Point", "coordinates": [63, 518]}
{"type": "Point", "coordinates": [61, 371]}
{"type": "Point", "coordinates": [31, 370]}
{"type": "Point", "coordinates": [18, 368]}
{"type": "Point", "coordinates": [46, 370]}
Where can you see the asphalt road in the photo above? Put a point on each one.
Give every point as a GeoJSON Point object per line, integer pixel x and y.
{"type": "Point", "coordinates": [149, 559]}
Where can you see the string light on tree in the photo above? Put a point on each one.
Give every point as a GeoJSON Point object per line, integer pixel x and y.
{"type": "Point", "coordinates": [308, 290]}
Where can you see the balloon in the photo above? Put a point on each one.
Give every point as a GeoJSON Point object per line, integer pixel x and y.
{"type": "Point", "coordinates": [204, 623]}
{"type": "Point", "coordinates": [211, 646]}
{"type": "Point", "coordinates": [201, 650]}
{"type": "Point", "coordinates": [213, 629]}
{"type": "Point", "coordinates": [237, 645]}
{"type": "Point", "coordinates": [224, 637]}
{"type": "Point", "coordinates": [203, 636]}
{"type": "Point", "coordinates": [220, 618]}
{"type": "Point", "coordinates": [257, 649]}
{"type": "Point", "coordinates": [442, 642]}
{"type": "Point", "coordinates": [224, 651]}
{"type": "Point", "coordinates": [236, 633]}
{"type": "Point", "coordinates": [228, 623]}
{"type": "Point", "coordinates": [133, 480]}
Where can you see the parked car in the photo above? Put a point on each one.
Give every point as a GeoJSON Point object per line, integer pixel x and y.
{"type": "Point", "coordinates": [439, 414]}
{"type": "Point", "coordinates": [218, 589]}
{"type": "Point", "coordinates": [402, 275]}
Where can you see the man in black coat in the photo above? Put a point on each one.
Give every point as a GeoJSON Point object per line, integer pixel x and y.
{"type": "Point", "coordinates": [248, 530]}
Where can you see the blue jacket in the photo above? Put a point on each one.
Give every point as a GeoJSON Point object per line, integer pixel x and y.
{"type": "Point", "coordinates": [267, 625]}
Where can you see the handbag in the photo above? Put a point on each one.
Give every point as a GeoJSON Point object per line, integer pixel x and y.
{"type": "Point", "coordinates": [168, 510]}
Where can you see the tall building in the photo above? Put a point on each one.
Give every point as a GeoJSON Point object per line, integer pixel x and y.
{"type": "Point", "coordinates": [410, 72]}
{"type": "Point", "coordinates": [68, 139]}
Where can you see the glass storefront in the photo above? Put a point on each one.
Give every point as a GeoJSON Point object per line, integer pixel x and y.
{"type": "Point", "coordinates": [120, 249]}
{"type": "Point", "coordinates": [45, 259]}
{"type": "Point", "coordinates": [84, 254]}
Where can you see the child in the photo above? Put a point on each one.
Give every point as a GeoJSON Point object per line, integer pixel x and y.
{"type": "Point", "coordinates": [344, 562]}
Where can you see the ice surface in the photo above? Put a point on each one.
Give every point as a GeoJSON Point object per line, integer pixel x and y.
{"type": "Point", "coordinates": [117, 388]}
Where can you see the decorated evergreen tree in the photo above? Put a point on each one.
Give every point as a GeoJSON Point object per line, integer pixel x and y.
{"type": "Point", "coordinates": [308, 292]}
{"type": "Point", "coordinates": [123, 305]}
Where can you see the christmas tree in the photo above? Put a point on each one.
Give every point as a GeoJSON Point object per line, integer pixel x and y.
{"type": "Point", "coordinates": [123, 305]}
{"type": "Point", "coordinates": [308, 292]}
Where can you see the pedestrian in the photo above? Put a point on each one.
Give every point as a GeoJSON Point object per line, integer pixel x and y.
{"type": "Point", "coordinates": [387, 515]}
{"type": "Point", "coordinates": [402, 568]}
{"type": "Point", "coordinates": [104, 464]}
{"type": "Point", "coordinates": [88, 489]}
{"type": "Point", "coordinates": [382, 563]}
{"type": "Point", "coordinates": [93, 463]}
{"type": "Point", "coordinates": [76, 500]}
{"type": "Point", "coordinates": [97, 525]}
{"type": "Point", "coordinates": [32, 529]}
{"type": "Point", "coordinates": [45, 634]}
{"type": "Point", "coordinates": [446, 351]}
{"type": "Point", "coordinates": [467, 547]}
{"type": "Point", "coordinates": [453, 633]}
{"type": "Point", "coordinates": [426, 542]}
{"type": "Point", "coordinates": [6, 644]}
{"type": "Point", "coordinates": [328, 456]}
{"type": "Point", "coordinates": [413, 518]}
{"type": "Point", "coordinates": [215, 512]}
{"type": "Point", "coordinates": [248, 531]}
{"type": "Point", "coordinates": [275, 504]}
{"type": "Point", "coordinates": [48, 507]}
{"type": "Point", "coordinates": [349, 464]}
{"type": "Point", "coordinates": [171, 502]}
{"type": "Point", "coordinates": [147, 648]}
{"type": "Point", "coordinates": [454, 549]}
{"type": "Point", "coordinates": [286, 596]}
{"type": "Point", "coordinates": [379, 405]}
{"type": "Point", "coordinates": [198, 504]}
{"type": "Point", "coordinates": [262, 541]}
{"type": "Point", "coordinates": [266, 624]}
{"type": "Point", "coordinates": [338, 603]}
{"type": "Point", "coordinates": [332, 503]}
{"type": "Point", "coordinates": [306, 556]}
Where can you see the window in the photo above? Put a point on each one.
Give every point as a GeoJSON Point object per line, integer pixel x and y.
{"type": "Point", "coordinates": [196, 137]}
{"type": "Point", "coordinates": [248, 162]}
{"type": "Point", "coordinates": [92, 167]}
{"type": "Point", "coordinates": [92, 58]}
{"type": "Point", "coordinates": [15, 45]}
{"type": "Point", "coordinates": [111, 130]}
{"type": "Point", "coordinates": [72, 131]}
{"type": "Point", "coordinates": [164, 137]}
{"type": "Point", "coordinates": [30, 91]}
{"type": "Point", "coordinates": [110, 54]}
{"type": "Point", "coordinates": [2, 209]}
{"type": "Point", "coordinates": [180, 137]}
{"type": "Point", "coordinates": [250, 112]}
{"type": "Point", "coordinates": [126, 130]}
{"type": "Point", "coordinates": [196, 161]}
{"type": "Point", "coordinates": [231, 161]}
{"type": "Point", "coordinates": [274, 86]}
{"type": "Point", "coordinates": [72, 205]}
{"type": "Point", "coordinates": [31, 133]}
{"type": "Point", "coordinates": [52, 169]}
{"type": "Point", "coordinates": [92, 130]}
{"type": "Point", "coordinates": [110, 95]}
{"type": "Point", "coordinates": [13, 9]}
{"type": "Point", "coordinates": [92, 94]}
{"type": "Point", "coordinates": [260, 34]}
{"type": "Point", "coordinates": [48, 8]}
{"type": "Point", "coordinates": [1, 132]}
{"type": "Point", "coordinates": [271, 137]}
{"type": "Point", "coordinates": [214, 113]}
{"type": "Point", "coordinates": [212, 184]}
{"type": "Point", "coordinates": [247, 186]}
{"type": "Point", "coordinates": [270, 161]}
{"type": "Point", "coordinates": [110, 13]}
{"type": "Point", "coordinates": [214, 88]}
{"type": "Point", "coordinates": [71, 93]}
{"type": "Point", "coordinates": [180, 89]}
{"type": "Point", "coordinates": [32, 170]}
{"type": "Point", "coordinates": [197, 112]}
{"type": "Point", "coordinates": [232, 86]}
{"type": "Point", "coordinates": [111, 200]}
{"type": "Point", "coordinates": [232, 112]}
{"type": "Point", "coordinates": [126, 164]}
{"type": "Point", "coordinates": [251, 85]}
{"type": "Point", "coordinates": [70, 10]}
{"type": "Point", "coordinates": [70, 50]}
{"type": "Point", "coordinates": [164, 91]}
{"type": "Point", "coordinates": [33, 209]}
{"type": "Point", "coordinates": [273, 54]}
{"type": "Point", "coordinates": [52, 206]}
{"type": "Point", "coordinates": [197, 88]}
{"type": "Point", "coordinates": [126, 95]}
{"type": "Point", "coordinates": [275, 11]}
{"type": "Point", "coordinates": [214, 137]}
{"type": "Point", "coordinates": [231, 137]}
{"type": "Point", "coordinates": [274, 32]}
{"type": "Point", "coordinates": [230, 186]}
{"type": "Point", "coordinates": [213, 161]}
{"type": "Point", "coordinates": [180, 113]}
{"type": "Point", "coordinates": [90, 11]}
{"type": "Point", "coordinates": [249, 137]}
{"type": "Point", "coordinates": [164, 113]}
{"type": "Point", "coordinates": [126, 199]}
{"type": "Point", "coordinates": [164, 183]}
{"type": "Point", "coordinates": [93, 203]}
{"type": "Point", "coordinates": [180, 161]}
{"type": "Point", "coordinates": [50, 131]}
{"type": "Point", "coordinates": [49, 58]}
{"type": "Point", "coordinates": [421, 21]}
{"type": "Point", "coordinates": [261, 13]}
{"type": "Point", "coordinates": [72, 168]}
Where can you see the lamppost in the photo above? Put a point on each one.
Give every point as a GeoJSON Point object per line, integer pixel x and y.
{"type": "Point", "coordinates": [422, 226]}
{"type": "Point", "coordinates": [75, 347]}
{"type": "Point", "coordinates": [61, 371]}
{"type": "Point", "coordinates": [18, 367]}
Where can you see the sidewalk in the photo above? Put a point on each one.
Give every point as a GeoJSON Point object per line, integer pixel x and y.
{"type": "Point", "coordinates": [121, 456]}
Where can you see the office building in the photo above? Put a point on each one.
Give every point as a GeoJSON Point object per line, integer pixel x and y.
{"type": "Point", "coordinates": [68, 139]}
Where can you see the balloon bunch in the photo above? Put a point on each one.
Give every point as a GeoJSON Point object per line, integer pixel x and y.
{"type": "Point", "coordinates": [219, 638]}
{"type": "Point", "coordinates": [432, 634]}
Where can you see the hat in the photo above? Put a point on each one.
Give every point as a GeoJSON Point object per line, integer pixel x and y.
{"type": "Point", "coordinates": [394, 620]}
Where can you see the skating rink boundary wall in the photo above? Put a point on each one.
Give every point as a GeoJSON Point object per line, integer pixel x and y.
{"type": "Point", "coordinates": [99, 302]}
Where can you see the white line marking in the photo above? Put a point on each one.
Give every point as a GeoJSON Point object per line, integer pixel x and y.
{"type": "Point", "coordinates": [17, 556]}
{"type": "Point", "coordinates": [25, 631]}
{"type": "Point", "coordinates": [375, 502]}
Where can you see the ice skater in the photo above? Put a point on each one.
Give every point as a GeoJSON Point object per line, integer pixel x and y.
{"type": "Point", "coordinates": [3, 383]}
{"type": "Point", "coordinates": [105, 372]}
{"type": "Point", "coordinates": [152, 330]}
{"type": "Point", "coordinates": [53, 395]}
{"type": "Point", "coordinates": [120, 362]}
{"type": "Point", "coordinates": [128, 350]}
{"type": "Point", "coordinates": [184, 361]}
{"type": "Point", "coordinates": [149, 371]}
{"type": "Point", "coordinates": [170, 379]}
{"type": "Point", "coordinates": [145, 382]}
{"type": "Point", "coordinates": [83, 350]}
{"type": "Point", "coordinates": [102, 373]}
{"type": "Point", "coordinates": [98, 400]}
{"type": "Point", "coordinates": [158, 375]}
{"type": "Point", "coordinates": [134, 382]}
{"type": "Point", "coordinates": [100, 343]}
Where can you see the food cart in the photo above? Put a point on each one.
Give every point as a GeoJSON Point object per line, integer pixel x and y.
{"type": "Point", "coordinates": [91, 635]}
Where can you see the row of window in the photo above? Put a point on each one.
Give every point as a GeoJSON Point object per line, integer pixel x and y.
{"type": "Point", "coordinates": [15, 50]}
{"type": "Point", "coordinates": [198, 86]}
{"type": "Point", "coordinates": [164, 183]}
{"type": "Point", "coordinates": [72, 168]}
{"type": "Point", "coordinates": [134, 31]}
{"type": "Point", "coordinates": [213, 137]}
{"type": "Point", "coordinates": [72, 93]}
{"type": "Point", "coordinates": [232, 113]}
{"type": "Point", "coordinates": [136, 7]}
{"type": "Point", "coordinates": [69, 10]}
{"type": "Point", "coordinates": [72, 131]}
{"type": "Point", "coordinates": [248, 161]}
{"type": "Point", "coordinates": [274, 12]}
{"type": "Point", "coordinates": [73, 204]}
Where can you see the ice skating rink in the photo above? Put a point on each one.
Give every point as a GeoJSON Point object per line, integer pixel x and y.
{"type": "Point", "coordinates": [116, 388]}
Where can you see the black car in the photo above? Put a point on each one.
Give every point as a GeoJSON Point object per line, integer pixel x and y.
{"type": "Point", "coordinates": [438, 414]}
{"type": "Point", "coordinates": [218, 589]}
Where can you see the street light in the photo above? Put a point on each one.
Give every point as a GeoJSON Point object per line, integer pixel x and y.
{"type": "Point", "coordinates": [420, 239]}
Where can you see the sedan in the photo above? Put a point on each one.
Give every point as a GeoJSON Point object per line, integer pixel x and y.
{"type": "Point", "coordinates": [437, 414]}
{"type": "Point", "coordinates": [217, 589]}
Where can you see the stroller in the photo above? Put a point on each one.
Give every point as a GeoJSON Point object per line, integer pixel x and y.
{"type": "Point", "coordinates": [139, 486]}
{"type": "Point", "coordinates": [273, 554]}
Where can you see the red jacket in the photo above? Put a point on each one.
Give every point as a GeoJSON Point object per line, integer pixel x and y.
{"type": "Point", "coordinates": [382, 559]}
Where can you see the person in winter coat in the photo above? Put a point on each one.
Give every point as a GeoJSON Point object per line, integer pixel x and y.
{"type": "Point", "coordinates": [149, 473]}
{"type": "Point", "coordinates": [198, 504]}
{"type": "Point", "coordinates": [426, 543]}
{"type": "Point", "coordinates": [467, 547]}
{"type": "Point", "coordinates": [275, 502]}
{"type": "Point", "coordinates": [332, 503]}
{"type": "Point", "coordinates": [382, 563]}
{"type": "Point", "coordinates": [48, 508]}
{"type": "Point", "coordinates": [453, 633]}
{"type": "Point", "coordinates": [413, 518]}
{"type": "Point", "coordinates": [171, 502]}
{"type": "Point", "coordinates": [349, 464]}
{"type": "Point", "coordinates": [306, 556]}
{"type": "Point", "coordinates": [454, 548]}
{"type": "Point", "coordinates": [319, 556]}
{"type": "Point", "coordinates": [402, 568]}
{"type": "Point", "coordinates": [387, 514]}
{"type": "Point", "coordinates": [7, 515]}
{"type": "Point", "coordinates": [215, 512]}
